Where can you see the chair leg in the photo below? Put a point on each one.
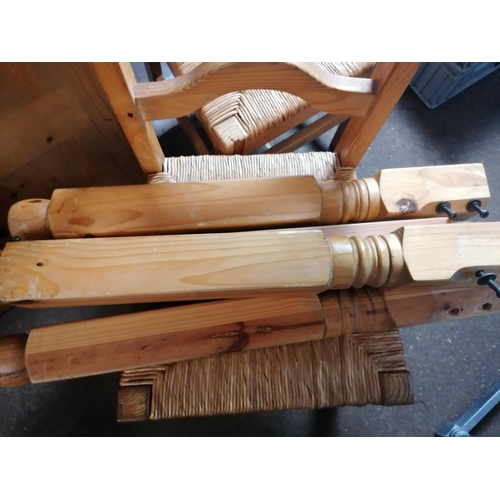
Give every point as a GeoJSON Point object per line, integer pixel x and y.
{"type": "Point", "coordinates": [118, 81]}
{"type": "Point", "coordinates": [338, 134]}
{"type": "Point", "coordinates": [155, 74]}
{"type": "Point", "coordinates": [193, 135]}
{"type": "Point", "coordinates": [307, 134]}
{"type": "Point", "coordinates": [278, 130]}
{"type": "Point", "coordinates": [153, 70]}
{"type": "Point", "coordinates": [392, 80]}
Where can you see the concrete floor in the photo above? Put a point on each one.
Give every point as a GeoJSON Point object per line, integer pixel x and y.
{"type": "Point", "coordinates": [452, 364]}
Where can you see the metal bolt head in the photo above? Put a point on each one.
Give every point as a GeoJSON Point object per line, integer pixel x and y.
{"type": "Point", "coordinates": [444, 207]}
{"type": "Point", "coordinates": [475, 206]}
{"type": "Point", "coordinates": [488, 279]}
{"type": "Point", "coordinates": [484, 278]}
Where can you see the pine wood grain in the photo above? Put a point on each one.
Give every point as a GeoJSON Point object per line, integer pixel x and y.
{"type": "Point", "coordinates": [187, 332]}
{"type": "Point", "coordinates": [456, 253]}
{"type": "Point", "coordinates": [187, 93]}
{"type": "Point", "coordinates": [12, 361]}
{"type": "Point", "coordinates": [29, 219]}
{"type": "Point", "coordinates": [396, 388]}
{"type": "Point", "coordinates": [252, 203]}
{"type": "Point", "coordinates": [133, 404]}
{"type": "Point", "coordinates": [236, 134]}
{"type": "Point", "coordinates": [57, 129]}
{"type": "Point", "coordinates": [382, 228]}
{"type": "Point", "coordinates": [413, 305]}
{"type": "Point", "coordinates": [45, 123]}
{"type": "Point", "coordinates": [160, 268]}
{"type": "Point", "coordinates": [247, 146]}
{"type": "Point", "coordinates": [359, 133]}
{"type": "Point", "coordinates": [193, 135]}
{"type": "Point", "coordinates": [225, 265]}
{"type": "Point", "coordinates": [118, 82]}
{"type": "Point", "coordinates": [184, 207]}
{"type": "Point", "coordinates": [415, 192]}
{"type": "Point", "coordinates": [117, 343]}
{"type": "Point", "coordinates": [307, 134]}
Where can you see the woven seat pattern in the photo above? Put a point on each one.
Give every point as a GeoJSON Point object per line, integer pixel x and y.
{"type": "Point", "coordinates": [242, 116]}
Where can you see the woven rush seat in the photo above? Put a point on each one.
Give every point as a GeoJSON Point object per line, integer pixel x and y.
{"type": "Point", "coordinates": [322, 165]}
{"type": "Point", "coordinates": [354, 370]}
{"type": "Point", "coordinates": [239, 118]}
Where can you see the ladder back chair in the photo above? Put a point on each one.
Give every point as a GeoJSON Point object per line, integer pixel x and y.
{"type": "Point", "coordinates": [213, 90]}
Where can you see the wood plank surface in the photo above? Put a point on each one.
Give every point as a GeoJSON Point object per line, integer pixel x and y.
{"type": "Point", "coordinates": [118, 81]}
{"type": "Point", "coordinates": [306, 135]}
{"type": "Point", "coordinates": [416, 191]}
{"type": "Point", "coordinates": [169, 207]}
{"type": "Point", "coordinates": [382, 228]}
{"type": "Point", "coordinates": [12, 361]}
{"type": "Point", "coordinates": [195, 138]}
{"type": "Point", "coordinates": [57, 129]}
{"type": "Point", "coordinates": [45, 123]}
{"type": "Point", "coordinates": [248, 146]}
{"type": "Point", "coordinates": [187, 93]}
{"type": "Point", "coordinates": [183, 207]}
{"type": "Point", "coordinates": [454, 255]}
{"type": "Point", "coordinates": [199, 330]}
{"type": "Point", "coordinates": [418, 305]}
{"type": "Point", "coordinates": [161, 268]}
{"type": "Point", "coordinates": [173, 334]}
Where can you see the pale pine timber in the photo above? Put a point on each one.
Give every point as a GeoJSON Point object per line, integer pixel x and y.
{"type": "Point", "coordinates": [359, 133]}
{"type": "Point", "coordinates": [210, 266]}
{"type": "Point", "coordinates": [306, 135]}
{"type": "Point", "coordinates": [257, 203]}
{"type": "Point", "coordinates": [162, 268]}
{"type": "Point", "coordinates": [118, 82]}
{"type": "Point", "coordinates": [456, 254]}
{"type": "Point", "coordinates": [194, 137]}
{"type": "Point", "coordinates": [417, 190]}
{"type": "Point", "coordinates": [187, 93]}
{"type": "Point", "coordinates": [12, 363]}
{"type": "Point", "coordinates": [243, 121]}
{"type": "Point", "coordinates": [187, 332]}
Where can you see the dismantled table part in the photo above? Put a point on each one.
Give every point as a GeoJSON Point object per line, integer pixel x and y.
{"type": "Point", "coordinates": [177, 333]}
{"type": "Point", "coordinates": [474, 415]}
{"type": "Point", "coordinates": [154, 209]}
{"type": "Point", "coordinates": [94, 271]}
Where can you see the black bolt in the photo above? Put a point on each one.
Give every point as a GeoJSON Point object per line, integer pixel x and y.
{"type": "Point", "coordinates": [475, 206]}
{"type": "Point", "coordinates": [445, 208]}
{"type": "Point", "coordinates": [15, 238]}
{"type": "Point", "coordinates": [488, 279]}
